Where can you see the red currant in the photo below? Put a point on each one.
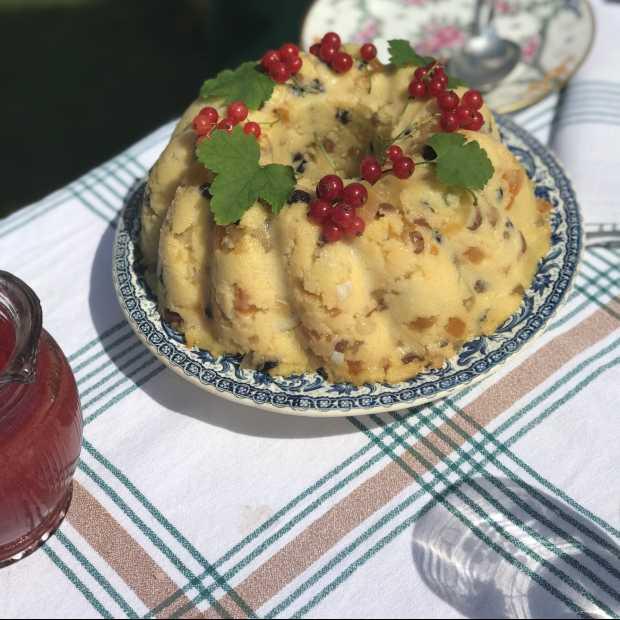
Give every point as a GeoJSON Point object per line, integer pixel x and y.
{"type": "Point", "coordinates": [356, 227]}
{"type": "Point", "coordinates": [237, 111]}
{"type": "Point", "coordinates": [368, 52]}
{"type": "Point", "coordinates": [288, 51]}
{"type": "Point", "coordinates": [435, 87]}
{"type": "Point", "coordinates": [355, 195]}
{"type": "Point", "coordinates": [252, 129]}
{"type": "Point", "coordinates": [443, 80]}
{"type": "Point", "coordinates": [332, 232]}
{"type": "Point", "coordinates": [420, 73]}
{"type": "Point", "coordinates": [332, 39]}
{"type": "Point", "coordinates": [417, 89]}
{"type": "Point", "coordinates": [210, 114]}
{"type": "Point", "coordinates": [202, 126]}
{"type": "Point", "coordinates": [394, 152]}
{"type": "Point", "coordinates": [342, 215]}
{"type": "Point", "coordinates": [447, 100]}
{"type": "Point", "coordinates": [371, 169]}
{"type": "Point", "coordinates": [439, 73]}
{"type": "Point", "coordinates": [294, 65]}
{"type": "Point", "coordinates": [315, 49]}
{"type": "Point", "coordinates": [327, 52]}
{"type": "Point", "coordinates": [403, 168]}
{"type": "Point", "coordinates": [449, 122]}
{"type": "Point", "coordinates": [472, 99]}
{"type": "Point", "coordinates": [330, 187]}
{"type": "Point", "coordinates": [226, 125]}
{"type": "Point", "coordinates": [342, 62]}
{"type": "Point", "coordinates": [463, 115]}
{"type": "Point", "coordinates": [319, 210]}
{"type": "Point", "coordinates": [279, 72]}
{"type": "Point", "coordinates": [475, 122]}
{"type": "Point", "coordinates": [269, 58]}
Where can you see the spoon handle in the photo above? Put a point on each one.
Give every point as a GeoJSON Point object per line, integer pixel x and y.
{"type": "Point", "coordinates": [483, 16]}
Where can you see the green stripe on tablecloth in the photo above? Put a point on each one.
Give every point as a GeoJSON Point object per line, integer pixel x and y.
{"type": "Point", "coordinates": [95, 574]}
{"type": "Point", "coordinates": [98, 340]}
{"type": "Point", "coordinates": [506, 533]}
{"type": "Point", "coordinates": [251, 537]}
{"type": "Point", "coordinates": [86, 203]}
{"type": "Point", "coordinates": [120, 367]}
{"type": "Point", "coordinates": [513, 419]}
{"type": "Point", "coordinates": [152, 536]}
{"type": "Point", "coordinates": [292, 522]}
{"type": "Point", "coordinates": [604, 259]}
{"type": "Point", "coordinates": [525, 507]}
{"type": "Point", "coordinates": [442, 499]}
{"type": "Point", "coordinates": [128, 335]}
{"type": "Point", "coordinates": [528, 427]}
{"type": "Point", "coordinates": [93, 373]}
{"type": "Point", "coordinates": [489, 437]}
{"type": "Point", "coordinates": [137, 384]}
{"type": "Point", "coordinates": [420, 422]}
{"type": "Point", "coordinates": [73, 578]}
{"type": "Point", "coordinates": [613, 281]}
{"type": "Point", "coordinates": [390, 536]}
{"type": "Point", "coordinates": [150, 361]}
{"type": "Point", "coordinates": [229, 574]}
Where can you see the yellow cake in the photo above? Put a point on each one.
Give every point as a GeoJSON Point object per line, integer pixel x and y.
{"type": "Point", "coordinates": [434, 268]}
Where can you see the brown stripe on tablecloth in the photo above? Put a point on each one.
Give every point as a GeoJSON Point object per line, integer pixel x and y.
{"type": "Point", "coordinates": [321, 535]}
{"type": "Point", "coordinates": [116, 546]}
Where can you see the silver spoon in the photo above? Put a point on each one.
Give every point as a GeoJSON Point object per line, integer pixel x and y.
{"type": "Point", "coordinates": [486, 58]}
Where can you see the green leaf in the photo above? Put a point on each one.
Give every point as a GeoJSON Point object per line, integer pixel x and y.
{"type": "Point", "coordinates": [460, 164]}
{"type": "Point", "coordinates": [241, 180]}
{"type": "Point", "coordinates": [402, 54]}
{"type": "Point", "coordinates": [245, 83]}
{"type": "Point", "coordinates": [277, 184]}
{"type": "Point", "coordinates": [454, 82]}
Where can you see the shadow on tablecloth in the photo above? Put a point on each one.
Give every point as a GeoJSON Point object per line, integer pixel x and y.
{"type": "Point", "coordinates": [170, 391]}
{"type": "Point", "coordinates": [475, 579]}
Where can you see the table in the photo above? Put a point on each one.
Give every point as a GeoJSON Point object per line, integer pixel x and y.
{"type": "Point", "coordinates": [501, 501]}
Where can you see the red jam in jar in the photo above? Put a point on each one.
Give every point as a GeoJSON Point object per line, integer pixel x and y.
{"type": "Point", "coordinates": [40, 425]}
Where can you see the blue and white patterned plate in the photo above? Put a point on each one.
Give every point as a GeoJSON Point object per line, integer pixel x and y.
{"type": "Point", "coordinates": [311, 394]}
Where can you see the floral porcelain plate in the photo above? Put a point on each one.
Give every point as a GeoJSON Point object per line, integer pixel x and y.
{"type": "Point", "coordinates": [555, 36]}
{"type": "Point", "coordinates": [313, 395]}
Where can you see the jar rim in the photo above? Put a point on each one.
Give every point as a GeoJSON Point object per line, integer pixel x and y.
{"type": "Point", "coordinates": [24, 309]}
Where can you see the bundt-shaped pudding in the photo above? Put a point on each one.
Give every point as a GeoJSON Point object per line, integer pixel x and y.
{"type": "Point", "coordinates": [252, 251]}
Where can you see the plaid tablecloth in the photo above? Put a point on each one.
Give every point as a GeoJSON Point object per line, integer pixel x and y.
{"type": "Point", "coordinates": [503, 501]}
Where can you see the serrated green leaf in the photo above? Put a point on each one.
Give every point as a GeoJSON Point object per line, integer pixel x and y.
{"type": "Point", "coordinates": [228, 153]}
{"type": "Point", "coordinates": [442, 141]}
{"type": "Point", "coordinates": [240, 179]}
{"type": "Point", "coordinates": [460, 164]}
{"type": "Point", "coordinates": [277, 184]}
{"type": "Point", "coordinates": [402, 54]}
{"type": "Point", "coordinates": [245, 83]}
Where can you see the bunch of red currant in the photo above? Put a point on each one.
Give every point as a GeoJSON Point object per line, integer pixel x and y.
{"type": "Point", "coordinates": [328, 50]}
{"type": "Point", "coordinates": [402, 166]}
{"type": "Point", "coordinates": [334, 208]}
{"type": "Point", "coordinates": [283, 63]}
{"type": "Point", "coordinates": [456, 112]}
{"type": "Point", "coordinates": [208, 119]}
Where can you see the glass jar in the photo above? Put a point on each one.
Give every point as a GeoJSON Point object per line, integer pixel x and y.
{"type": "Point", "coordinates": [40, 425]}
